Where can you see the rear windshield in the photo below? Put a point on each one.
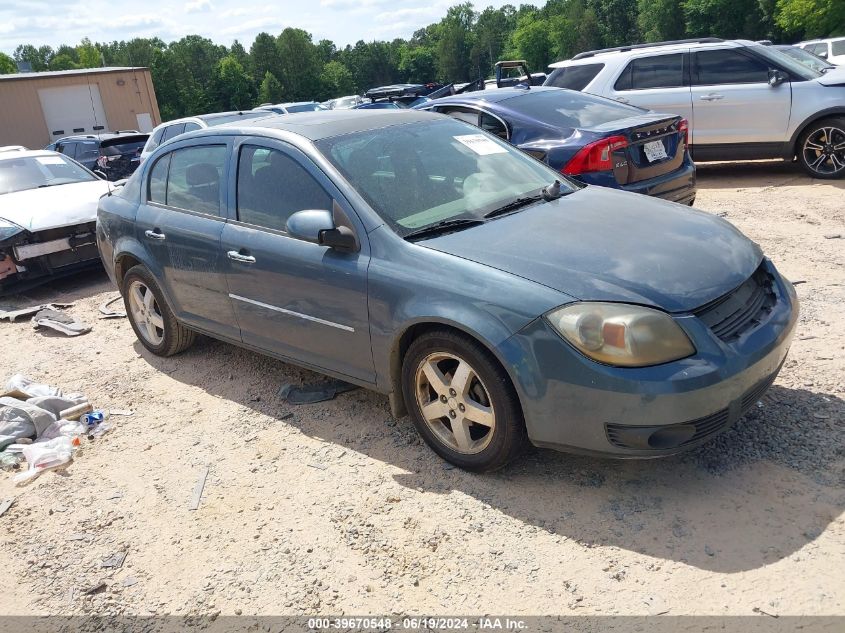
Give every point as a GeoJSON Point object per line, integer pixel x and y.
{"type": "Point", "coordinates": [306, 107]}
{"type": "Point", "coordinates": [231, 118]}
{"type": "Point", "coordinates": [119, 147]}
{"type": "Point", "coordinates": [573, 77]}
{"type": "Point", "coordinates": [567, 109]}
{"type": "Point", "coordinates": [838, 47]}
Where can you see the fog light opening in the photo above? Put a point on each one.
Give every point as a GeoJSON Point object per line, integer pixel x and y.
{"type": "Point", "coordinates": [671, 436]}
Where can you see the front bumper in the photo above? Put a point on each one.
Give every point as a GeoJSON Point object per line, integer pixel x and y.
{"type": "Point", "coordinates": [571, 403]}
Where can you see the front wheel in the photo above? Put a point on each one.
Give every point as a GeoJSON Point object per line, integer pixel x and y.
{"type": "Point", "coordinates": [462, 402]}
{"type": "Point", "coordinates": [821, 149]}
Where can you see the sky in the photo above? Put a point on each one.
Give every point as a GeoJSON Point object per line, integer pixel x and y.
{"type": "Point", "coordinates": [344, 22]}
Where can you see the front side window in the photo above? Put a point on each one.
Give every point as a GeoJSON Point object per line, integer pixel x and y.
{"type": "Point", "coordinates": [272, 186]}
{"type": "Point", "coordinates": [659, 71]}
{"type": "Point", "coordinates": [418, 174]}
{"type": "Point", "coordinates": [729, 67]}
{"type": "Point", "coordinates": [68, 149]}
{"type": "Point", "coordinates": [193, 181]}
{"type": "Point", "coordinates": [573, 77]}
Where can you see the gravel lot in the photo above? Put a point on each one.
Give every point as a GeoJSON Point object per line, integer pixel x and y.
{"type": "Point", "coordinates": [337, 508]}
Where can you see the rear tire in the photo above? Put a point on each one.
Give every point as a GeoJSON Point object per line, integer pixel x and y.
{"type": "Point", "coordinates": [150, 316]}
{"type": "Point", "coordinates": [821, 149]}
{"type": "Point", "coordinates": [462, 402]}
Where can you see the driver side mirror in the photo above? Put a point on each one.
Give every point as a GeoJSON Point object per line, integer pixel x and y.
{"type": "Point", "coordinates": [777, 77]}
{"type": "Point", "coordinates": [318, 227]}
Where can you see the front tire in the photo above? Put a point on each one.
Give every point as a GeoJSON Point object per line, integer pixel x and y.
{"type": "Point", "coordinates": [462, 402]}
{"type": "Point", "coordinates": [150, 316]}
{"type": "Point", "coordinates": [821, 149]}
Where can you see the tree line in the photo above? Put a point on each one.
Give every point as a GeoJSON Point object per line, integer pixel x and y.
{"type": "Point", "coordinates": [195, 75]}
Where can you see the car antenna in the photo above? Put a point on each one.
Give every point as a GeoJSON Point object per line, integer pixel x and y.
{"type": "Point", "coordinates": [552, 192]}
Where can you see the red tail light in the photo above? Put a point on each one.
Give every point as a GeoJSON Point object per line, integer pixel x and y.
{"type": "Point", "coordinates": [683, 131]}
{"type": "Point", "coordinates": [597, 156]}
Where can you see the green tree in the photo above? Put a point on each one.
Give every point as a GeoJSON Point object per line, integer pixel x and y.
{"type": "Point", "coordinates": [807, 19]}
{"type": "Point", "coordinates": [270, 90]}
{"type": "Point", "coordinates": [264, 56]}
{"type": "Point", "coordinates": [233, 85]}
{"type": "Point", "coordinates": [661, 20]}
{"type": "Point", "coordinates": [88, 54]}
{"type": "Point", "coordinates": [63, 61]}
{"type": "Point", "coordinates": [7, 65]}
{"type": "Point", "coordinates": [455, 43]}
{"type": "Point", "coordinates": [37, 58]}
{"type": "Point", "coordinates": [617, 20]}
{"type": "Point", "coordinates": [724, 18]}
{"type": "Point", "coordinates": [492, 29]}
{"type": "Point", "coordinates": [299, 65]}
{"type": "Point", "coordinates": [336, 80]}
{"type": "Point", "coordinates": [417, 63]}
{"type": "Point", "coordinates": [531, 42]}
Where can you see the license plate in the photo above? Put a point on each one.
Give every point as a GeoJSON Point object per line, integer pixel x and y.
{"type": "Point", "coordinates": [655, 151]}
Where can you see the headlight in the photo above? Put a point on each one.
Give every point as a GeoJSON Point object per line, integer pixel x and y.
{"type": "Point", "coordinates": [620, 334]}
{"type": "Point", "coordinates": [8, 229]}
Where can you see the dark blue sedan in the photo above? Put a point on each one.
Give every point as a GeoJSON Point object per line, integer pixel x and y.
{"type": "Point", "coordinates": [596, 140]}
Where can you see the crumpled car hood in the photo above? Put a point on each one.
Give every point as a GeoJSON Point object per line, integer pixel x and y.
{"type": "Point", "coordinates": [833, 77]}
{"type": "Point", "coordinates": [599, 244]}
{"type": "Point", "coordinates": [53, 207]}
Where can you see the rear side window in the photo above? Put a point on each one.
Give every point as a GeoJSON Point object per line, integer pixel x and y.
{"type": "Point", "coordinates": [87, 151]}
{"type": "Point", "coordinates": [659, 71]}
{"type": "Point", "coordinates": [838, 47]}
{"type": "Point", "coordinates": [158, 180]}
{"type": "Point", "coordinates": [573, 77]}
{"type": "Point", "coordinates": [190, 126]}
{"type": "Point", "coordinates": [154, 140]}
{"type": "Point", "coordinates": [193, 182]}
{"type": "Point", "coordinates": [494, 126]}
{"type": "Point", "coordinates": [462, 114]}
{"type": "Point", "coordinates": [272, 186]}
{"type": "Point", "coordinates": [172, 130]}
{"type": "Point", "coordinates": [728, 67]}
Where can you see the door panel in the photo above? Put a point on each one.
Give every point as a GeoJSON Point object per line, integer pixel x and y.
{"type": "Point", "coordinates": [294, 298]}
{"type": "Point", "coordinates": [733, 102]}
{"type": "Point", "coordinates": [186, 243]}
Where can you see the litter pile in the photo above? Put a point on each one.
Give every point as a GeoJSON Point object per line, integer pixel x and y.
{"type": "Point", "coordinates": [40, 424]}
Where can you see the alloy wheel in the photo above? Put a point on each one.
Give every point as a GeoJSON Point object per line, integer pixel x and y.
{"type": "Point", "coordinates": [824, 150]}
{"type": "Point", "coordinates": [146, 313]}
{"type": "Point", "coordinates": [455, 403]}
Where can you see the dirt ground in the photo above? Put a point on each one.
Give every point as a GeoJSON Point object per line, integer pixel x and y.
{"type": "Point", "coordinates": [339, 508]}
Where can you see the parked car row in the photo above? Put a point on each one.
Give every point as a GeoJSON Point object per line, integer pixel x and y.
{"type": "Point", "coordinates": [491, 296]}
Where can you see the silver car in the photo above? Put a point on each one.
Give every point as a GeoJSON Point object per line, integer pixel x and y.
{"type": "Point", "coordinates": [743, 100]}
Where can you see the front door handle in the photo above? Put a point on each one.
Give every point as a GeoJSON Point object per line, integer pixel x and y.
{"type": "Point", "coordinates": [711, 97]}
{"type": "Point", "coordinates": [154, 234]}
{"type": "Point", "coordinates": [239, 257]}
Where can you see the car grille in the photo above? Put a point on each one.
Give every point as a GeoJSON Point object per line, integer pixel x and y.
{"type": "Point", "coordinates": [619, 434]}
{"type": "Point", "coordinates": [740, 310]}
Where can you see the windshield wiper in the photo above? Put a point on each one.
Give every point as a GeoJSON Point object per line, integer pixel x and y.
{"type": "Point", "coordinates": [444, 226]}
{"type": "Point", "coordinates": [547, 194]}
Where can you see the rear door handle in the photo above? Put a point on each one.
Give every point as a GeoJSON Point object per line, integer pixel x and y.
{"type": "Point", "coordinates": [154, 234]}
{"type": "Point", "coordinates": [239, 257]}
{"type": "Point", "coordinates": [711, 97]}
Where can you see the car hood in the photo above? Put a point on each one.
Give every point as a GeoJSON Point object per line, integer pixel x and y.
{"type": "Point", "coordinates": [53, 207]}
{"type": "Point", "coordinates": [598, 244]}
{"type": "Point", "coordinates": [833, 77]}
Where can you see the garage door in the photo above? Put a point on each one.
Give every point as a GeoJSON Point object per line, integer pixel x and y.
{"type": "Point", "coordinates": [73, 110]}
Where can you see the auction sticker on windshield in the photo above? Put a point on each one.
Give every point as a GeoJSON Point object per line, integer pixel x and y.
{"type": "Point", "coordinates": [50, 160]}
{"type": "Point", "coordinates": [480, 144]}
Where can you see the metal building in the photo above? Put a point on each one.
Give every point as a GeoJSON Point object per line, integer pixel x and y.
{"type": "Point", "coordinates": [39, 108]}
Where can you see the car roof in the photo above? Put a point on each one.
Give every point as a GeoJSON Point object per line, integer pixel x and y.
{"type": "Point", "coordinates": [493, 96]}
{"type": "Point", "coordinates": [325, 124]}
{"type": "Point", "coordinates": [104, 136]}
{"type": "Point", "coordinates": [591, 57]}
{"type": "Point", "coordinates": [822, 40]}
{"type": "Point", "coordinates": [30, 153]}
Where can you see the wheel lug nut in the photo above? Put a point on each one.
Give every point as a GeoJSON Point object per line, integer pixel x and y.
{"type": "Point", "coordinates": [442, 398]}
{"type": "Point", "coordinates": [462, 408]}
{"type": "Point", "coordinates": [452, 413]}
{"type": "Point", "coordinates": [452, 392]}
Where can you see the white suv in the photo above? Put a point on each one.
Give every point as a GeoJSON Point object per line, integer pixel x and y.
{"type": "Point", "coordinates": [743, 100]}
{"type": "Point", "coordinates": [833, 50]}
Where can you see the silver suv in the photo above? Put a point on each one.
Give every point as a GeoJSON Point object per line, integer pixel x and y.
{"type": "Point", "coordinates": [743, 100]}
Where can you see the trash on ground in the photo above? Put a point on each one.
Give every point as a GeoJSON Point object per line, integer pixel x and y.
{"type": "Point", "coordinates": [833, 236]}
{"type": "Point", "coordinates": [100, 586]}
{"type": "Point", "coordinates": [108, 313]}
{"type": "Point", "coordinates": [13, 315]}
{"type": "Point", "coordinates": [316, 392]}
{"type": "Point", "coordinates": [125, 412]}
{"type": "Point", "coordinates": [318, 466]}
{"type": "Point", "coordinates": [59, 322]}
{"type": "Point", "coordinates": [115, 561]}
{"type": "Point", "coordinates": [129, 581]}
{"type": "Point", "coordinates": [43, 426]}
{"type": "Point", "coordinates": [195, 499]}
{"type": "Point", "coordinates": [5, 505]}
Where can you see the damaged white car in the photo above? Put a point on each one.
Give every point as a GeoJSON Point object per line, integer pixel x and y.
{"type": "Point", "coordinates": [48, 212]}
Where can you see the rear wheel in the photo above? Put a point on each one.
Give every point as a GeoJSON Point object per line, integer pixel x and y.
{"type": "Point", "coordinates": [462, 402]}
{"type": "Point", "coordinates": [150, 316]}
{"type": "Point", "coordinates": [821, 149]}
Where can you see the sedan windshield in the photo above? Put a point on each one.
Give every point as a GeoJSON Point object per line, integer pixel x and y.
{"type": "Point", "coordinates": [422, 174]}
{"type": "Point", "coordinates": [32, 172]}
